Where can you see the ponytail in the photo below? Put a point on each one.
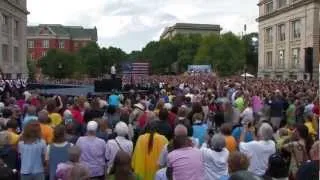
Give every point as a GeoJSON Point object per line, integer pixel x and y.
{"type": "Point", "coordinates": [150, 142]}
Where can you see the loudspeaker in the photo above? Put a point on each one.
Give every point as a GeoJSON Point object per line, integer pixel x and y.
{"type": "Point", "coordinates": [107, 85]}
{"type": "Point", "coordinates": [308, 60]}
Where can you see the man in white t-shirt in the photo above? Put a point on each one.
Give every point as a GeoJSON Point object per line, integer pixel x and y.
{"type": "Point", "coordinates": [113, 71]}
{"type": "Point", "coordinates": [258, 151]}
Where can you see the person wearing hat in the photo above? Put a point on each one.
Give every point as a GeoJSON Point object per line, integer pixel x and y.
{"type": "Point", "coordinates": [93, 151]}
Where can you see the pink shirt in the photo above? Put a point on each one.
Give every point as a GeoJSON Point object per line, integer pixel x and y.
{"type": "Point", "coordinates": [256, 104]}
{"type": "Point", "coordinates": [186, 163]}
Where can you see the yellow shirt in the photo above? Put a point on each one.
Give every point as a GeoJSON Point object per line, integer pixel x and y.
{"type": "Point", "coordinates": [144, 163]}
{"type": "Point", "coordinates": [312, 131]}
{"type": "Point", "coordinates": [56, 119]}
{"type": "Point", "coordinates": [13, 138]}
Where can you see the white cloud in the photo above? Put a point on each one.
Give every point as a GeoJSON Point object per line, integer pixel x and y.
{"type": "Point", "coordinates": [130, 24]}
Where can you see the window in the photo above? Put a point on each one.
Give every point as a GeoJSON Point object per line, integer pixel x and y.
{"type": "Point", "coordinates": [45, 43]}
{"type": "Point", "coordinates": [7, 76]}
{"type": "Point", "coordinates": [76, 45]}
{"type": "Point", "coordinates": [16, 54]}
{"type": "Point", "coordinates": [281, 59]}
{"type": "Point", "coordinates": [282, 3]}
{"type": "Point", "coordinates": [16, 28]}
{"type": "Point", "coordinates": [5, 53]}
{"type": "Point", "coordinates": [61, 44]}
{"type": "Point", "coordinates": [269, 59]}
{"type": "Point", "coordinates": [44, 53]}
{"type": "Point", "coordinates": [296, 29]}
{"type": "Point", "coordinates": [30, 44]}
{"type": "Point", "coordinates": [281, 32]}
{"type": "Point", "coordinates": [19, 75]}
{"type": "Point", "coordinates": [31, 56]}
{"type": "Point", "coordinates": [5, 23]}
{"type": "Point", "coordinates": [269, 7]}
{"type": "Point", "coordinates": [268, 35]}
{"type": "Point", "coordinates": [295, 57]}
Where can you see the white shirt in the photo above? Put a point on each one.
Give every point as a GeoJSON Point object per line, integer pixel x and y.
{"type": "Point", "coordinates": [215, 163]}
{"type": "Point", "coordinates": [258, 152]}
{"type": "Point", "coordinates": [113, 70]}
{"type": "Point", "coordinates": [161, 174]}
{"type": "Point", "coordinates": [112, 148]}
{"type": "Point", "coordinates": [247, 115]}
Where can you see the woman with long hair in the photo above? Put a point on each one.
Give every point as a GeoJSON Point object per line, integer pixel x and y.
{"type": "Point", "coordinates": [57, 152]}
{"type": "Point", "coordinates": [147, 152]}
{"type": "Point", "coordinates": [299, 147]}
{"type": "Point", "coordinates": [122, 166]}
{"type": "Point", "coordinates": [32, 151]}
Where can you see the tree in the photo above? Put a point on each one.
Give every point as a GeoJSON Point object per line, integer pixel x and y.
{"type": "Point", "coordinates": [135, 56]}
{"type": "Point", "coordinates": [187, 49]}
{"type": "Point", "coordinates": [251, 51]}
{"type": "Point", "coordinates": [89, 60]}
{"type": "Point", "coordinates": [58, 64]}
{"type": "Point", "coordinates": [32, 68]}
{"type": "Point", "coordinates": [225, 52]}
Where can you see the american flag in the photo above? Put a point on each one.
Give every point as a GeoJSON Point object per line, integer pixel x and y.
{"type": "Point", "coordinates": [134, 72]}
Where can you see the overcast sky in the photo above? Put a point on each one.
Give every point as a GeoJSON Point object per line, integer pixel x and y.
{"type": "Point", "coordinates": [131, 24]}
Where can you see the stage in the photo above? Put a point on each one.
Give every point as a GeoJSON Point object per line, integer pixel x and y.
{"type": "Point", "coordinates": [73, 90]}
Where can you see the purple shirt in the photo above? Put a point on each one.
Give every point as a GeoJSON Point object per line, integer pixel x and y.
{"type": "Point", "coordinates": [92, 154]}
{"type": "Point", "coordinates": [256, 104]}
{"type": "Point", "coordinates": [186, 163]}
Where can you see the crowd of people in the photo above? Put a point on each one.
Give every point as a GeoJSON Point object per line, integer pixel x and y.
{"type": "Point", "coordinates": [186, 128]}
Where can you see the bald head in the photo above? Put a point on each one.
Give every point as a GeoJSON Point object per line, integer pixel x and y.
{"type": "Point", "coordinates": [180, 130]}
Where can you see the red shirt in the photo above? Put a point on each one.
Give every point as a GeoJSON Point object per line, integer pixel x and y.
{"type": "Point", "coordinates": [77, 115]}
{"type": "Point", "coordinates": [172, 118]}
{"type": "Point", "coordinates": [316, 109]}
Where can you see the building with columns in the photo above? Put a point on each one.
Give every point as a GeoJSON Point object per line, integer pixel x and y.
{"type": "Point", "coordinates": [189, 28]}
{"type": "Point", "coordinates": [288, 37]}
{"type": "Point", "coordinates": [13, 43]}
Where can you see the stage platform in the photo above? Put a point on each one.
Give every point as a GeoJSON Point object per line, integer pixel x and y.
{"type": "Point", "coordinates": [71, 90]}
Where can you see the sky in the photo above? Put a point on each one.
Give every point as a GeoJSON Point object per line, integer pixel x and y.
{"type": "Point", "coordinates": [131, 24]}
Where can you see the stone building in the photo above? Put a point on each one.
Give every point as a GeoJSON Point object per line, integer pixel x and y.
{"type": "Point", "coordinates": [288, 29]}
{"type": "Point", "coordinates": [13, 43]}
{"type": "Point", "coordinates": [188, 28]}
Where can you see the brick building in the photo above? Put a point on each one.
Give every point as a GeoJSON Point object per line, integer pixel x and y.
{"type": "Point", "coordinates": [43, 37]}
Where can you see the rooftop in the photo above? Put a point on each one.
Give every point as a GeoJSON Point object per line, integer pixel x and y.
{"type": "Point", "coordinates": [75, 32]}
{"type": "Point", "coordinates": [208, 27]}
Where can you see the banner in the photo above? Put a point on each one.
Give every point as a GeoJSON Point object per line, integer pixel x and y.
{"type": "Point", "coordinates": [200, 68]}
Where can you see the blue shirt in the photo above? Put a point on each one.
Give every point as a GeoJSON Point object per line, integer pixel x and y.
{"type": "Point", "coordinates": [27, 119]}
{"type": "Point", "coordinates": [199, 132]}
{"type": "Point", "coordinates": [32, 157]}
{"type": "Point", "coordinates": [114, 100]}
{"type": "Point", "coordinates": [237, 132]}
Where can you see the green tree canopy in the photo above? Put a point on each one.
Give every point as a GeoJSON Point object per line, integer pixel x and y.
{"type": "Point", "coordinates": [58, 64]}
{"type": "Point", "coordinates": [225, 52]}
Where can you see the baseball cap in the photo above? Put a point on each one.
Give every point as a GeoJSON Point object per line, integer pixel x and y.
{"type": "Point", "coordinates": [92, 126]}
